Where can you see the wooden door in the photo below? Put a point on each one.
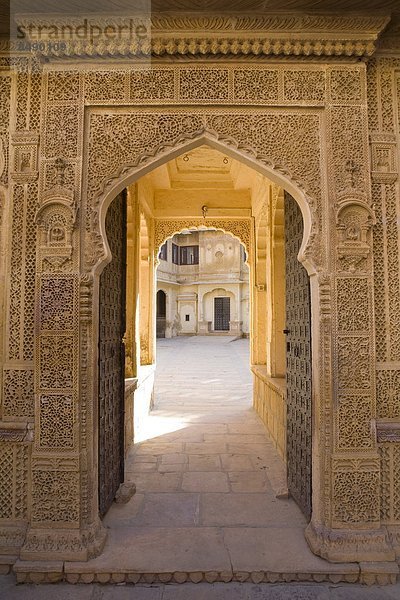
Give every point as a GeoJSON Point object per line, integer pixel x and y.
{"type": "Point", "coordinates": [298, 361]}
{"type": "Point", "coordinates": [222, 314]}
{"type": "Point", "coordinates": [112, 357]}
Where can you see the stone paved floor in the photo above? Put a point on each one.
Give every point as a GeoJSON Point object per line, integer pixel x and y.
{"type": "Point", "coordinates": [207, 475]}
{"type": "Point", "coordinates": [207, 478]}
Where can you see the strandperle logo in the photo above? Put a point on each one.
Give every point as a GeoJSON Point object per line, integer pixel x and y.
{"type": "Point", "coordinates": [85, 30]}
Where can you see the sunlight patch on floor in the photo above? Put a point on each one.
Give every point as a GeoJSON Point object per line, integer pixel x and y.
{"type": "Point", "coordinates": [154, 426]}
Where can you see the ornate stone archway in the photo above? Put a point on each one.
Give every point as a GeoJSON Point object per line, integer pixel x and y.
{"type": "Point", "coordinates": [309, 133]}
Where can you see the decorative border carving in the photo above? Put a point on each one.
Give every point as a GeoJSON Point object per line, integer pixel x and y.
{"type": "Point", "coordinates": [251, 133]}
{"type": "Point", "coordinates": [255, 35]}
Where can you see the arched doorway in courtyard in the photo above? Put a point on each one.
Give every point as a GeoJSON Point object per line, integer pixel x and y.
{"type": "Point", "coordinates": [161, 313]}
{"type": "Point", "coordinates": [265, 255]}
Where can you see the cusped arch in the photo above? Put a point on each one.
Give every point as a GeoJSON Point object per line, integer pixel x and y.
{"type": "Point", "coordinates": [125, 175]}
{"type": "Point", "coordinates": [215, 292]}
{"type": "Point", "coordinates": [165, 229]}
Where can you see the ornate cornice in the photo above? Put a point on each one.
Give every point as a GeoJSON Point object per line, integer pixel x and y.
{"type": "Point", "coordinates": [187, 35]}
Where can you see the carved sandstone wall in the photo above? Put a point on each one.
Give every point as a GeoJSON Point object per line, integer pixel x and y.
{"type": "Point", "coordinates": [79, 134]}
{"type": "Point", "coordinates": [384, 128]}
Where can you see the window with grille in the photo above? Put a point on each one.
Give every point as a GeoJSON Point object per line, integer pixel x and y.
{"type": "Point", "coordinates": [189, 255]}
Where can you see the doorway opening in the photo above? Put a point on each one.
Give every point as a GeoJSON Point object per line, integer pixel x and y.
{"type": "Point", "coordinates": [222, 313]}
{"type": "Point", "coordinates": [202, 456]}
{"type": "Point", "coordinates": [161, 303]}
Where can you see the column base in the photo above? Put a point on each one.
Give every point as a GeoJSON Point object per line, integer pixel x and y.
{"type": "Point", "coordinates": [235, 327]}
{"type": "Point", "coordinates": [12, 539]}
{"type": "Point", "coordinates": [350, 545]}
{"type": "Point", "coordinates": [394, 536]}
{"type": "Point", "coordinates": [204, 327]}
{"type": "Point", "coordinates": [64, 544]}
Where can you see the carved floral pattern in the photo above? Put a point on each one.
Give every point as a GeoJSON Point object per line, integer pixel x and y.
{"type": "Point", "coordinates": [349, 152]}
{"type": "Point", "coordinates": [354, 422]}
{"type": "Point", "coordinates": [353, 304]}
{"type": "Point", "coordinates": [55, 496]}
{"type": "Point", "coordinates": [256, 85]}
{"type": "Point", "coordinates": [13, 481]}
{"type": "Point", "coordinates": [345, 86]}
{"type": "Point", "coordinates": [388, 393]}
{"type": "Point", "coordinates": [202, 84]}
{"type": "Point", "coordinates": [63, 85]}
{"type": "Point", "coordinates": [56, 422]}
{"type": "Point", "coordinates": [390, 482]}
{"type": "Point", "coordinates": [304, 86]}
{"type": "Point", "coordinates": [105, 86]}
{"type": "Point", "coordinates": [152, 84]}
{"type": "Point", "coordinates": [57, 303]}
{"type": "Point", "coordinates": [18, 393]}
{"type": "Point", "coordinates": [61, 131]}
{"type": "Point", "coordinates": [354, 362]}
{"type": "Point", "coordinates": [56, 361]}
{"type": "Point", "coordinates": [5, 102]}
{"type": "Point", "coordinates": [356, 497]}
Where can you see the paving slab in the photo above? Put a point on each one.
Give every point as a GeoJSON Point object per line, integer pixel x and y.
{"type": "Point", "coordinates": [244, 481]}
{"type": "Point", "coordinates": [237, 462]}
{"type": "Point", "coordinates": [205, 481]}
{"type": "Point", "coordinates": [174, 458]}
{"type": "Point", "coordinates": [159, 550]}
{"type": "Point", "coordinates": [159, 448]}
{"type": "Point", "coordinates": [169, 510]}
{"type": "Point", "coordinates": [206, 447]}
{"type": "Point", "coordinates": [122, 514]}
{"type": "Point", "coordinates": [172, 468]}
{"type": "Point", "coordinates": [154, 482]}
{"type": "Point", "coordinates": [254, 510]}
{"type": "Point", "coordinates": [236, 438]}
{"type": "Point", "coordinates": [277, 550]}
{"type": "Point", "coordinates": [204, 462]}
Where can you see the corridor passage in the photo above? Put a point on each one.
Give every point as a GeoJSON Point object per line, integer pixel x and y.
{"type": "Point", "coordinates": [208, 472]}
{"type": "Point", "coordinates": [207, 480]}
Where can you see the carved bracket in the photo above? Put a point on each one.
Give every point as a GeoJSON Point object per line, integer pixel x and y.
{"type": "Point", "coordinates": [383, 158]}
{"type": "Point", "coordinates": [56, 219]}
{"type": "Point", "coordinates": [24, 165]}
{"type": "Point", "coordinates": [354, 220]}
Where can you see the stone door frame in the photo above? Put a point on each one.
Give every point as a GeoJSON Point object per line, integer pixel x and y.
{"type": "Point", "coordinates": [301, 125]}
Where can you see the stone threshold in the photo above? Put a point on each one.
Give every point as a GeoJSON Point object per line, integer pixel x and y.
{"type": "Point", "coordinates": [368, 573]}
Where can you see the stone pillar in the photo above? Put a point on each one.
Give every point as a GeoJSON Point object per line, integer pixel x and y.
{"type": "Point", "coordinates": [278, 341]}
{"type": "Point", "coordinates": [19, 135]}
{"type": "Point", "coordinates": [132, 284]}
{"type": "Point", "coordinates": [145, 299]}
{"type": "Point", "coordinates": [258, 296]}
{"type": "Point", "coordinates": [152, 334]}
{"type": "Point", "coordinates": [64, 516]}
{"type": "Point", "coordinates": [347, 525]}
